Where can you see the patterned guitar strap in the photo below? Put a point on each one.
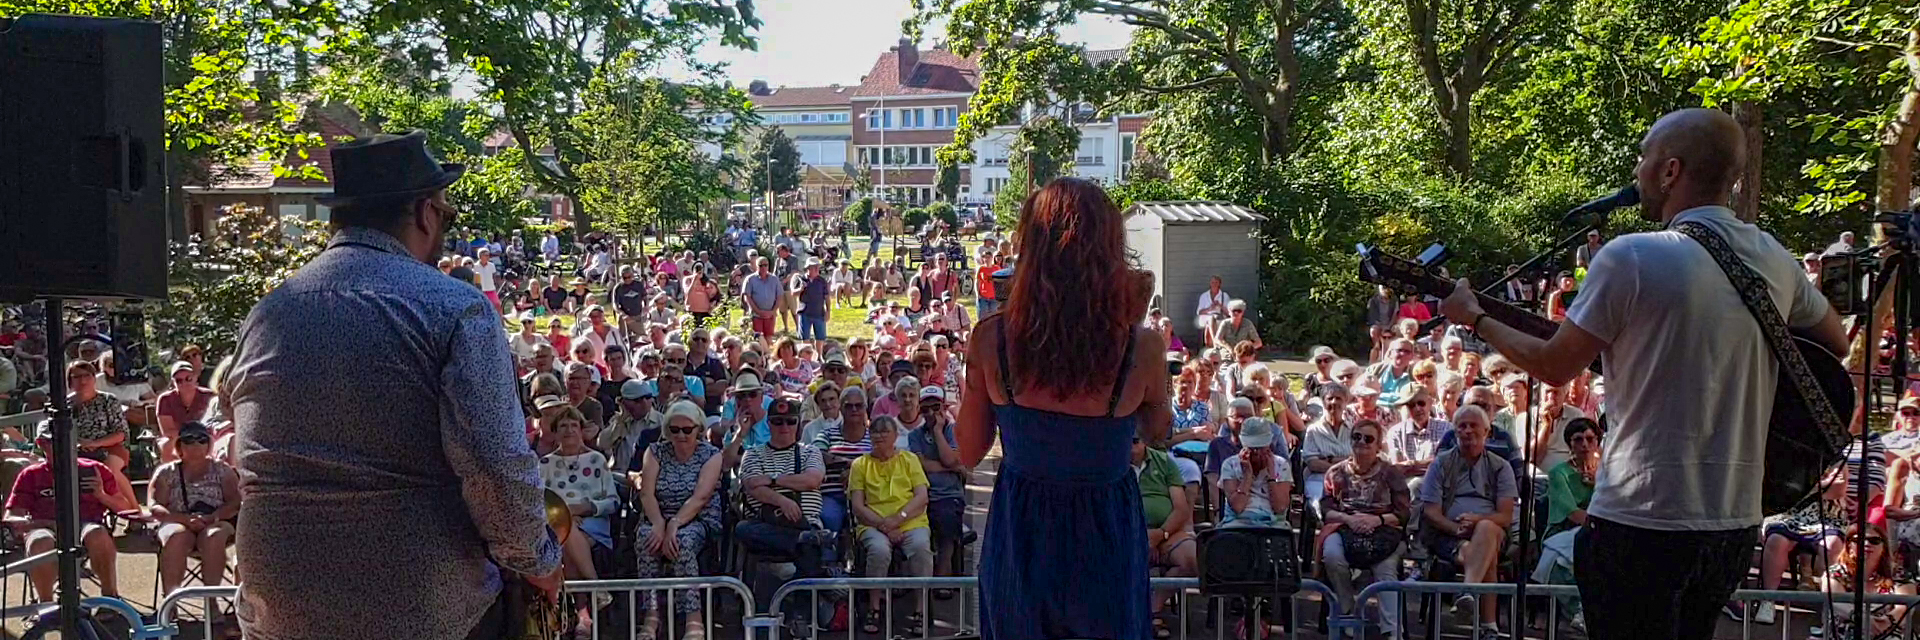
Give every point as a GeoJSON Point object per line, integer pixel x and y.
{"type": "Point", "coordinates": [1753, 291]}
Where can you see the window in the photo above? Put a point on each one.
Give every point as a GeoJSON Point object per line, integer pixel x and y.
{"type": "Point", "coordinates": [823, 153]}
{"type": "Point", "coordinates": [835, 117]}
{"type": "Point", "coordinates": [1092, 152]}
{"type": "Point", "coordinates": [1127, 149]}
{"type": "Point", "coordinates": [873, 120]}
{"type": "Point", "coordinates": [946, 117]}
{"type": "Point", "coordinates": [994, 185]}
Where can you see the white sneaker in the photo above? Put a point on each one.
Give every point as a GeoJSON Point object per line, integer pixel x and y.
{"type": "Point", "coordinates": [1763, 612]}
{"type": "Point", "coordinates": [1490, 631]}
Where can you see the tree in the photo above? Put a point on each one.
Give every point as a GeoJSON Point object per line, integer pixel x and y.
{"type": "Point", "coordinates": [1041, 150]}
{"type": "Point", "coordinates": [773, 166]}
{"type": "Point", "coordinates": [214, 284]}
{"type": "Point", "coordinates": [947, 181]}
{"type": "Point", "coordinates": [536, 58]}
{"type": "Point", "coordinates": [1457, 46]}
{"type": "Point", "coordinates": [1252, 49]}
{"type": "Point", "coordinates": [643, 138]}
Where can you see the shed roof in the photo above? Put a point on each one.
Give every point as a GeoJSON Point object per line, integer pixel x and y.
{"type": "Point", "coordinates": [1196, 211]}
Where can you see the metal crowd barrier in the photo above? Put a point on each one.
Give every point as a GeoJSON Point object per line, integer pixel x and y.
{"type": "Point", "coordinates": [965, 620]}
{"type": "Point", "coordinates": [20, 567]}
{"type": "Point", "coordinates": [1354, 622]}
{"type": "Point", "coordinates": [621, 619]}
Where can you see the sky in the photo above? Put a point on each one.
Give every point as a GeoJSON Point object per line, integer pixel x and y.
{"type": "Point", "coordinates": [823, 42]}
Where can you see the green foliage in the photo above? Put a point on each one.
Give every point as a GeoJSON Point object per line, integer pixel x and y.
{"type": "Point", "coordinates": [945, 212]}
{"type": "Point", "coordinates": [773, 164]}
{"type": "Point", "coordinates": [213, 285]}
{"type": "Point", "coordinates": [640, 140]}
{"type": "Point", "coordinates": [915, 217]}
{"type": "Point", "coordinates": [859, 212]}
{"type": "Point", "coordinates": [1148, 189]}
{"type": "Point", "coordinates": [947, 183]}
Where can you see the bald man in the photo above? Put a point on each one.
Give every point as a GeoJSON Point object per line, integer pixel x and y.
{"type": "Point", "coordinates": [1690, 385]}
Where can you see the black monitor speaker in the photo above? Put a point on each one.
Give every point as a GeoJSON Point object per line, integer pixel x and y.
{"type": "Point", "coordinates": [83, 206]}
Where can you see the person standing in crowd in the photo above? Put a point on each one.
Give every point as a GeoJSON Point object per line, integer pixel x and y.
{"type": "Point", "coordinates": [1583, 256]}
{"type": "Point", "coordinates": [1382, 310]}
{"type": "Point", "coordinates": [629, 298]}
{"type": "Point", "coordinates": [486, 274]}
{"type": "Point", "coordinates": [1845, 245]}
{"type": "Point", "coordinates": [816, 303]}
{"type": "Point", "coordinates": [437, 450]}
{"type": "Point", "coordinates": [1067, 378]}
{"type": "Point", "coordinates": [550, 247]}
{"type": "Point", "coordinates": [761, 298]}
{"type": "Point", "coordinates": [984, 302]}
{"type": "Point", "coordinates": [1668, 538]}
{"type": "Point", "coordinates": [1211, 310]}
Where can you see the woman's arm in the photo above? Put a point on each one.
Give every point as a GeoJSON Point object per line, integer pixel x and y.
{"type": "Point", "coordinates": [1155, 412]}
{"type": "Point", "coordinates": [915, 506]}
{"type": "Point", "coordinates": [1560, 492]}
{"type": "Point", "coordinates": [163, 485]}
{"type": "Point", "coordinates": [975, 430]}
{"type": "Point", "coordinates": [230, 492]}
{"type": "Point", "coordinates": [861, 512]}
{"type": "Point", "coordinates": [702, 493]}
{"type": "Point", "coordinates": [1237, 494]}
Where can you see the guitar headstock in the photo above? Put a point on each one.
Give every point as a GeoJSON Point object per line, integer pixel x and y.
{"type": "Point", "coordinates": [1400, 274]}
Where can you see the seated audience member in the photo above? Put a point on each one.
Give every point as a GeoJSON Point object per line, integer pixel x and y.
{"type": "Point", "coordinates": [1192, 426]}
{"type": "Point", "coordinates": [1412, 443]}
{"type": "Point", "coordinates": [1903, 440]}
{"type": "Point", "coordinates": [1883, 620]}
{"type": "Point", "coordinates": [888, 490]}
{"type": "Point", "coordinates": [931, 440]}
{"type": "Point", "coordinates": [1500, 442]}
{"type": "Point", "coordinates": [1257, 482]}
{"type": "Point", "coordinates": [1396, 373]}
{"type": "Point", "coordinates": [840, 444]}
{"type": "Point", "coordinates": [631, 431]}
{"type": "Point", "coordinates": [581, 478]}
{"type": "Point", "coordinates": [1170, 539]}
{"type": "Point", "coordinates": [1366, 509]}
{"type": "Point", "coordinates": [583, 380]}
{"type": "Point", "coordinates": [194, 499]}
{"type": "Point", "coordinates": [99, 420]}
{"type": "Point", "coordinates": [1468, 501]}
{"type": "Point", "coordinates": [1569, 489]}
{"type": "Point", "coordinates": [679, 497]}
{"type": "Point", "coordinates": [31, 513]}
{"type": "Point", "coordinates": [1549, 449]}
{"type": "Point", "coordinates": [1815, 529]}
{"type": "Point", "coordinates": [1227, 443]}
{"type": "Point", "coordinates": [781, 480]}
{"type": "Point", "coordinates": [1328, 441]}
{"type": "Point", "coordinates": [823, 407]}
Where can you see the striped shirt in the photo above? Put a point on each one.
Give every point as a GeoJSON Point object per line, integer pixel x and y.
{"type": "Point", "coordinates": [840, 455]}
{"type": "Point", "coordinates": [1876, 461]}
{"type": "Point", "coordinates": [764, 460]}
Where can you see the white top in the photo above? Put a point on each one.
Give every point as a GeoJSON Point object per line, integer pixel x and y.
{"type": "Point", "coordinates": [487, 273]}
{"type": "Point", "coordinates": [1689, 378]}
{"type": "Point", "coordinates": [1210, 300]}
{"type": "Point", "coordinates": [524, 349]}
{"type": "Point", "coordinates": [550, 246]}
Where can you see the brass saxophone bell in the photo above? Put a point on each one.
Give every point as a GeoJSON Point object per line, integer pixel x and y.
{"type": "Point", "coordinates": [559, 517]}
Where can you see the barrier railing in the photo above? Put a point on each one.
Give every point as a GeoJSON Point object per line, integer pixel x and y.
{"type": "Point", "coordinates": [1353, 623]}
{"type": "Point", "coordinates": [964, 619]}
{"type": "Point", "coordinates": [623, 614]}
{"type": "Point", "coordinates": [19, 568]}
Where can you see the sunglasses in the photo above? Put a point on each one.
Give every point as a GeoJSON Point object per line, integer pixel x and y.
{"type": "Point", "coordinates": [854, 405]}
{"type": "Point", "coordinates": [682, 430]}
{"type": "Point", "coordinates": [674, 379]}
{"type": "Point", "coordinates": [1910, 412]}
{"type": "Point", "coordinates": [676, 360]}
{"type": "Point", "coordinates": [1876, 541]}
{"type": "Point", "coordinates": [747, 394]}
{"type": "Point", "coordinates": [699, 339]}
{"type": "Point", "coordinates": [1361, 438]}
{"type": "Point", "coordinates": [1418, 403]}
{"type": "Point", "coordinates": [448, 214]}
{"type": "Point", "coordinates": [836, 369]}
{"type": "Point", "coordinates": [195, 440]}
{"type": "Point", "coordinates": [784, 422]}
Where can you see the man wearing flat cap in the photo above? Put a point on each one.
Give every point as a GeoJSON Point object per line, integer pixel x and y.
{"type": "Point", "coordinates": [390, 488]}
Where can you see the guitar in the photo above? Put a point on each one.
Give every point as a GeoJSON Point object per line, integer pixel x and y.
{"type": "Point", "coordinates": [1799, 451]}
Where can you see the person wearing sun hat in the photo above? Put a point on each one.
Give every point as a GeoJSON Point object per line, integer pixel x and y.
{"type": "Point", "coordinates": [744, 416]}
{"type": "Point", "coordinates": [1322, 359]}
{"type": "Point", "coordinates": [430, 455]}
{"type": "Point", "coordinates": [526, 342]}
{"type": "Point", "coordinates": [1258, 483]}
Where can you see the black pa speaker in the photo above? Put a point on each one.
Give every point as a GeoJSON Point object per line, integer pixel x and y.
{"type": "Point", "coordinates": [83, 207]}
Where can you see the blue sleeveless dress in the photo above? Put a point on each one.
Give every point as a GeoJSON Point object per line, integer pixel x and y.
{"type": "Point", "coordinates": [1065, 554]}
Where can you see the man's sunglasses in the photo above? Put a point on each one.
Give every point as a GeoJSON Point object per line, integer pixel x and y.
{"type": "Point", "coordinates": [747, 394]}
{"type": "Point", "coordinates": [448, 214]}
{"type": "Point", "coordinates": [676, 360]}
{"type": "Point", "coordinates": [1910, 412]}
{"type": "Point", "coordinates": [195, 440]}
{"type": "Point", "coordinates": [855, 405]}
{"type": "Point", "coordinates": [784, 422]}
{"type": "Point", "coordinates": [682, 430]}
{"type": "Point", "coordinates": [1361, 438]}
{"type": "Point", "coordinates": [673, 379]}
{"type": "Point", "coordinates": [836, 370]}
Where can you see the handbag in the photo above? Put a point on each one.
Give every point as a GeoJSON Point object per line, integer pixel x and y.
{"type": "Point", "coordinates": [769, 515]}
{"type": "Point", "coordinates": [1249, 561]}
{"type": "Point", "coordinates": [1368, 549]}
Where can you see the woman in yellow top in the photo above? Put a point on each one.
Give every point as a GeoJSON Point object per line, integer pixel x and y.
{"type": "Point", "coordinates": [888, 490]}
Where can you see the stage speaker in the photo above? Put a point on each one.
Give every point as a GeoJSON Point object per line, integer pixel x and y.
{"type": "Point", "coordinates": [83, 206]}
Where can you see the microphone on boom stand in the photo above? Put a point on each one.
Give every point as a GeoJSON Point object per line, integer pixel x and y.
{"type": "Point", "coordinates": [1627, 196]}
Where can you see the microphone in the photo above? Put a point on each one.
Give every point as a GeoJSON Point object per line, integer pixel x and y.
{"type": "Point", "coordinates": [1627, 196]}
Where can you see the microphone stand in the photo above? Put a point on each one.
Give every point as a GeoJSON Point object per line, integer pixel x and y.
{"type": "Point", "coordinates": [1598, 224]}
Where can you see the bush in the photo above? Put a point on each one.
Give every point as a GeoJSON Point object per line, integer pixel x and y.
{"type": "Point", "coordinates": [944, 211]}
{"type": "Point", "coordinates": [916, 217]}
{"type": "Point", "coordinates": [859, 212]}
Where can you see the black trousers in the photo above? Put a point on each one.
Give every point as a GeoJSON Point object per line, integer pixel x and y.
{"type": "Point", "coordinates": [493, 623]}
{"type": "Point", "coordinates": [1642, 584]}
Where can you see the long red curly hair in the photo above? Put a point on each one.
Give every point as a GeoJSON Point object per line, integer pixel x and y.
{"type": "Point", "coordinates": [1075, 292]}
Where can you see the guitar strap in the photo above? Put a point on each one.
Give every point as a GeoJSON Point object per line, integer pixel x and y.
{"type": "Point", "coordinates": [1754, 292]}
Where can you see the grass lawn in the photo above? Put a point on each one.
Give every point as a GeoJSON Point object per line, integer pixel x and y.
{"type": "Point", "coordinates": [845, 323]}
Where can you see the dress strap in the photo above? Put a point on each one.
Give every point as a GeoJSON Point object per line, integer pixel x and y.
{"type": "Point", "coordinates": [1006, 374]}
{"type": "Point", "coordinates": [1120, 383]}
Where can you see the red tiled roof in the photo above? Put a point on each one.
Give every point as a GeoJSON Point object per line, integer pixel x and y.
{"type": "Point", "coordinates": [258, 174]}
{"type": "Point", "coordinates": [833, 96]}
{"type": "Point", "coordinates": [939, 71]}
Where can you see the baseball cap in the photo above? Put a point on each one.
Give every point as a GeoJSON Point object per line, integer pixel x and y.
{"type": "Point", "coordinates": [900, 366]}
{"type": "Point", "coordinates": [1322, 351]}
{"type": "Point", "coordinates": [837, 357]}
{"type": "Point", "coordinates": [635, 390]}
{"type": "Point", "coordinates": [813, 262]}
{"type": "Point", "coordinates": [783, 406]}
{"type": "Point", "coordinates": [1910, 401]}
{"type": "Point", "coordinates": [526, 316]}
{"type": "Point", "coordinates": [179, 367]}
{"type": "Point", "coordinates": [1257, 433]}
{"type": "Point", "coordinates": [932, 392]}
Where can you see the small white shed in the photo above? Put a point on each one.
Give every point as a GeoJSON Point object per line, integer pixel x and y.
{"type": "Point", "coordinates": [1185, 243]}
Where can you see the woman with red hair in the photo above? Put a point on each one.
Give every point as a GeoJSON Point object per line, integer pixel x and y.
{"type": "Point", "coordinates": [1068, 379]}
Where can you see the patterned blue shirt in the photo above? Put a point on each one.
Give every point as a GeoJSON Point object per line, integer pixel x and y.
{"type": "Point", "coordinates": [382, 453]}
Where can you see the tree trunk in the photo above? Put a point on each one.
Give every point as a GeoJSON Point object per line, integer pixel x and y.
{"type": "Point", "coordinates": [1746, 196]}
{"type": "Point", "coordinates": [1459, 128]}
{"type": "Point", "coordinates": [582, 222]}
{"type": "Point", "coordinates": [1893, 187]}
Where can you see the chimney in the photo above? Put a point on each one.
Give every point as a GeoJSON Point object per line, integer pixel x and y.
{"type": "Point", "coordinates": [757, 88]}
{"type": "Point", "coordinates": [909, 58]}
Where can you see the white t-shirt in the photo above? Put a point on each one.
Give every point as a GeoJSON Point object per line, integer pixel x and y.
{"type": "Point", "coordinates": [523, 349]}
{"type": "Point", "coordinates": [1689, 377]}
{"type": "Point", "coordinates": [1209, 300]}
{"type": "Point", "coordinates": [486, 272]}
{"type": "Point", "coordinates": [1259, 502]}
